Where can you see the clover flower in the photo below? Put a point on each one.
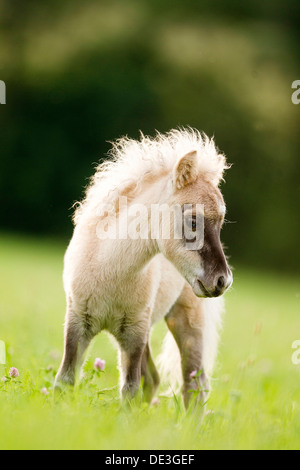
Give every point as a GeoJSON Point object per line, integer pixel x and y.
{"type": "Point", "coordinates": [99, 364]}
{"type": "Point", "coordinates": [14, 373]}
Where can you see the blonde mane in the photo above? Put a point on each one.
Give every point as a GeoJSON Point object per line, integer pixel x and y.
{"type": "Point", "coordinates": [132, 161]}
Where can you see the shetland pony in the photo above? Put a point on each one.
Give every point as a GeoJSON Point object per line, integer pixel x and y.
{"type": "Point", "coordinates": [125, 285]}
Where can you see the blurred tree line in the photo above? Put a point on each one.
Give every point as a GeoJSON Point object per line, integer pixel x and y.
{"type": "Point", "coordinates": [79, 74]}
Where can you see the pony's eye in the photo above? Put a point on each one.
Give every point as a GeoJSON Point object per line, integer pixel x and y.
{"type": "Point", "coordinates": [194, 225]}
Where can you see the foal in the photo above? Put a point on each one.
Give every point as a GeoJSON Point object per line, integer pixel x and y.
{"type": "Point", "coordinates": [126, 284]}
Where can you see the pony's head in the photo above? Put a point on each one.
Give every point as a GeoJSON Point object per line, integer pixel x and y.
{"type": "Point", "coordinates": [195, 180]}
{"type": "Point", "coordinates": [194, 168]}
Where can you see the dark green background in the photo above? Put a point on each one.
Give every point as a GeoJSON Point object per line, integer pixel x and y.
{"type": "Point", "coordinates": [79, 74]}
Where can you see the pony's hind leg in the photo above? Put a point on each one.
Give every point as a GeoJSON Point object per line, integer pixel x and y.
{"type": "Point", "coordinates": [185, 321]}
{"type": "Point", "coordinates": [150, 374]}
{"type": "Point", "coordinates": [77, 339]}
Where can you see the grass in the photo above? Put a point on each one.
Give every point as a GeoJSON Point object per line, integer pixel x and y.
{"type": "Point", "coordinates": [255, 399]}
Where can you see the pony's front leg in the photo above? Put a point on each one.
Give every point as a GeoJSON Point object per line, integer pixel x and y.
{"type": "Point", "coordinates": [77, 339]}
{"type": "Point", "coordinates": [186, 324]}
{"type": "Point", "coordinates": [132, 340]}
{"type": "Point", "coordinates": [131, 361]}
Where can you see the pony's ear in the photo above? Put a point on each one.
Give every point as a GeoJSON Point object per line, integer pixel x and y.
{"type": "Point", "coordinates": [186, 170]}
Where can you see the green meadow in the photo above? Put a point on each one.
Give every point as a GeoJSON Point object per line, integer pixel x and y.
{"type": "Point", "coordinates": [255, 399]}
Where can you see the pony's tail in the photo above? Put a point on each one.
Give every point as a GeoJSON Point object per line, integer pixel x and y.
{"type": "Point", "coordinates": [169, 365]}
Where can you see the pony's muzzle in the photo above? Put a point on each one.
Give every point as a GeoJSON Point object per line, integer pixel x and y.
{"type": "Point", "coordinates": [220, 284]}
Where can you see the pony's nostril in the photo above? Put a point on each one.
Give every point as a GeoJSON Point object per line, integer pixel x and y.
{"type": "Point", "coordinates": [221, 282]}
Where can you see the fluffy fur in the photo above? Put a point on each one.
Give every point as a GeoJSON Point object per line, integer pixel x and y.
{"type": "Point", "coordinates": [131, 162]}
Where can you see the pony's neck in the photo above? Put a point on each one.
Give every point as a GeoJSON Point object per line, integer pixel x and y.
{"type": "Point", "coordinates": [131, 255]}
